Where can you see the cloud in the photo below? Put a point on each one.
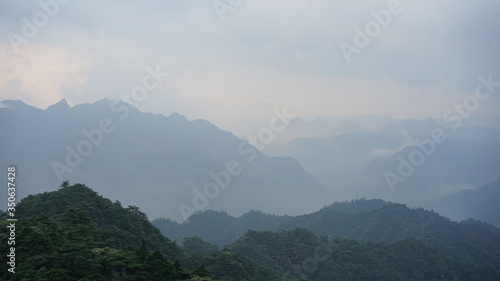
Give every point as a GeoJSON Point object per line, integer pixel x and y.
{"type": "Point", "coordinates": [264, 52]}
{"type": "Point", "coordinates": [41, 74]}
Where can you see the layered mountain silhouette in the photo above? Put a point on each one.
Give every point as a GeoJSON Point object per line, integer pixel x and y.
{"type": "Point", "coordinates": [362, 163]}
{"type": "Point", "coordinates": [366, 221]}
{"type": "Point", "coordinates": [480, 203]}
{"type": "Point", "coordinates": [168, 166]}
{"type": "Point", "coordinates": [74, 233]}
{"type": "Point", "coordinates": [173, 167]}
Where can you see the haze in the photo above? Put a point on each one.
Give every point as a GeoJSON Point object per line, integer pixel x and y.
{"type": "Point", "coordinates": [237, 62]}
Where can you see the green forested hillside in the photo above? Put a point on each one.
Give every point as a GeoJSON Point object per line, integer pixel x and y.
{"type": "Point", "coordinates": [372, 220]}
{"type": "Point", "coordinates": [299, 255]}
{"type": "Point", "coordinates": [76, 234]}
{"type": "Point", "coordinates": [121, 227]}
{"type": "Point", "coordinates": [362, 220]}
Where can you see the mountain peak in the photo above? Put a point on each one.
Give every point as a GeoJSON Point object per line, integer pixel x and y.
{"type": "Point", "coordinates": [14, 104]}
{"type": "Point", "coordinates": [177, 118]}
{"type": "Point", "coordinates": [61, 105]}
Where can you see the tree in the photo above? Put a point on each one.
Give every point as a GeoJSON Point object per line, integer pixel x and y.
{"type": "Point", "coordinates": [64, 184]}
{"type": "Point", "coordinates": [142, 251]}
{"type": "Point", "coordinates": [159, 269]}
{"type": "Point", "coordinates": [202, 271]}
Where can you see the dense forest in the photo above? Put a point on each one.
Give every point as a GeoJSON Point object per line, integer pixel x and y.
{"type": "Point", "coordinates": [299, 253]}
{"type": "Point", "coordinates": [362, 220]}
{"type": "Point", "coordinates": [76, 234]}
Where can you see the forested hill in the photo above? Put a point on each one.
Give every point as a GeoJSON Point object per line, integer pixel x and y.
{"type": "Point", "coordinates": [300, 255]}
{"type": "Point", "coordinates": [126, 226]}
{"type": "Point", "coordinates": [76, 234]}
{"type": "Point", "coordinates": [220, 228]}
{"type": "Point", "coordinates": [363, 220]}
{"type": "Point", "coordinates": [377, 220]}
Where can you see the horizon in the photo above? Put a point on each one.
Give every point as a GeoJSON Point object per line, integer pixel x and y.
{"type": "Point", "coordinates": [224, 65]}
{"type": "Point", "coordinates": [244, 134]}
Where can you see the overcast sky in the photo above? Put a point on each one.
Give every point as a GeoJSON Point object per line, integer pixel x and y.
{"type": "Point", "coordinates": [243, 60]}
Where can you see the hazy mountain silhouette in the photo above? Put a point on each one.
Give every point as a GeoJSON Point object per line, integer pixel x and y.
{"type": "Point", "coordinates": [355, 164]}
{"type": "Point", "coordinates": [452, 167]}
{"type": "Point", "coordinates": [154, 161]}
{"type": "Point", "coordinates": [480, 203]}
{"type": "Point", "coordinates": [219, 227]}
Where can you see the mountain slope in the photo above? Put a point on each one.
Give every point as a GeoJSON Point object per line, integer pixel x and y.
{"type": "Point", "coordinates": [126, 226]}
{"type": "Point", "coordinates": [300, 255]}
{"type": "Point", "coordinates": [76, 234]}
{"type": "Point", "coordinates": [362, 220]}
{"type": "Point", "coordinates": [480, 203]}
{"type": "Point", "coordinates": [219, 227]}
{"type": "Point", "coordinates": [376, 221]}
{"type": "Point", "coordinates": [168, 166]}
{"type": "Point", "coordinates": [453, 166]}
{"type": "Point", "coordinates": [356, 164]}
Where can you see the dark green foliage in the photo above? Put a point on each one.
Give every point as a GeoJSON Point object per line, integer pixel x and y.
{"type": "Point", "coordinates": [357, 206]}
{"type": "Point", "coordinates": [159, 269]}
{"type": "Point", "coordinates": [300, 255]}
{"type": "Point", "coordinates": [226, 265]}
{"type": "Point", "coordinates": [142, 251]}
{"type": "Point", "coordinates": [69, 245]}
{"type": "Point", "coordinates": [193, 245]}
{"type": "Point", "coordinates": [202, 271]}
{"type": "Point", "coordinates": [75, 234]}
{"type": "Point", "coordinates": [223, 264]}
{"type": "Point", "coordinates": [379, 221]}
{"type": "Point", "coordinates": [120, 227]}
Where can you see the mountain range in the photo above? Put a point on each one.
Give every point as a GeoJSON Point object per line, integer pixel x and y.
{"type": "Point", "coordinates": [480, 203]}
{"type": "Point", "coordinates": [367, 163]}
{"type": "Point", "coordinates": [363, 220]}
{"type": "Point", "coordinates": [174, 167]}
{"type": "Point", "coordinates": [74, 233]}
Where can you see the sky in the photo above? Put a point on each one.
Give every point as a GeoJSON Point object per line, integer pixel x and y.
{"type": "Point", "coordinates": [227, 60]}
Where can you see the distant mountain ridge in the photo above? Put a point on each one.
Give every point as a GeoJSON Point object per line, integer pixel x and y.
{"type": "Point", "coordinates": [181, 166]}
{"type": "Point", "coordinates": [355, 163]}
{"type": "Point", "coordinates": [480, 203]}
{"type": "Point", "coordinates": [168, 166]}
{"type": "Point", "coordinates": [219, 227]}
